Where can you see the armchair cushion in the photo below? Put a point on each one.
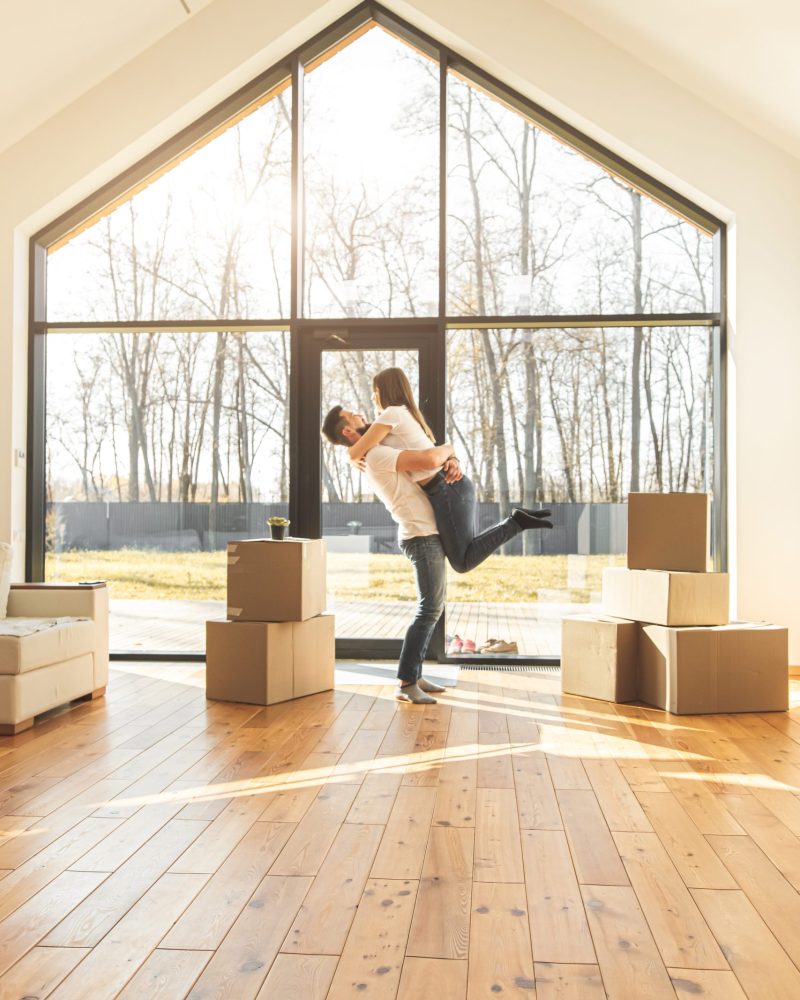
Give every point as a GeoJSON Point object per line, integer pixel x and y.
{"type": "Point", "coordinates": [28, 645]}
{"type": "Point", "coordinates": [5, 576]}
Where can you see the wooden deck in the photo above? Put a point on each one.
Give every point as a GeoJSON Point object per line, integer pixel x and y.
{"type": "Point", "coordinates": [509, 841]}
{"type": "Point", "coordinates": [179, 626]}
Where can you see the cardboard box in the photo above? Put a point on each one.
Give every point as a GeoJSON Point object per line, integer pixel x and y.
{"type": "Point", "coordinates": [276, 581]}
{"type": "Point", "coordinates": [664, 597]}
{"type": "Point", "coordinates": [598, 657]}
{"type": "Point", "coordinates": [669, 531]}
{"type": "Point", "coordinates": [251, 662]}
{"type": "Point", "coordinates": [314, 655]}
{"type": "Point", "coordinates": [261, 663]}
{"type": "Point", "coordinates": [729, 668]}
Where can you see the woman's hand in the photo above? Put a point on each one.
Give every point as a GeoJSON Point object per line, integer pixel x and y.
{"type": "Point", "coordinates": [452, 470]}
{"type": "Point", "coordinates": [358, 463]}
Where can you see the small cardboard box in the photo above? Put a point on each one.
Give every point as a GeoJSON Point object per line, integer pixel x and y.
{"type": "Point", "coordinates": [669, 531]}
{"type": "Point", "coordinates": [252, 662]}
{"type": "Point", "coordinates": [729, 668]}
{"type": "Point", "coordinates": [271, 581]}
{"type": "Point", "coordinates": [664, 597]}
{"type": "Point", "coordinates": [598, 657]}
{"type": "Point", "coordinates": [314, 643]}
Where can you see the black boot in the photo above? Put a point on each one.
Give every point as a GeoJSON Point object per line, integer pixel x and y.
{"type": "Point", "coordinates": [528, 518]}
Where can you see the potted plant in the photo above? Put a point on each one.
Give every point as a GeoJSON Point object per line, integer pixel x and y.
{"type": "Point", "coordinates": [277, 527]}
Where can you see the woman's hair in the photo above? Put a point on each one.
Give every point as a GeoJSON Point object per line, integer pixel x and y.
{"type": "Point", "coordinates": [394, 389]}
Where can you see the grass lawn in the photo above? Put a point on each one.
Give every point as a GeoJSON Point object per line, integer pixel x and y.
{"type": "Point", "coordinates": [195, 576]}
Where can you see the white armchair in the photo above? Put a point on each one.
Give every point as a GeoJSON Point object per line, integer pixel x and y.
{"type": "Point", "coordinates": [43, 663]}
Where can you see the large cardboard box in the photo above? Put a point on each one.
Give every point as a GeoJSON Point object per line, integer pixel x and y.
{"type": "Point", "coordinates": [261, 663]}
{"type": "Point", "coordinates": [729, 668]}
{"type": "Point", "coordinates": [598, 657]}
{"type": "Point", "coordinates": [252, 662]}
{"type": "Point", "coordinates": [669, 531]}
{"type": "Point", "coordinates": [272, 581]}
{"type": "Point", "coordinates": [664, 597]}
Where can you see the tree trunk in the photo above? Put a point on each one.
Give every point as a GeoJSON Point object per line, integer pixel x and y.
{"type": "Point", "coordinates": [636, 406]}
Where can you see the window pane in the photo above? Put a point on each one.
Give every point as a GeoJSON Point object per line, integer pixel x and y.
{"type": "Point", "coordinates": [210, 239]}
{"type": "Point", "coordinates": [371, 181]}
{"type": "Point", "coordinates": [544, 418]}
{"type": "Point", "coordinates": [160, 449]}
{"type": "Point", "coordinates": [536, 228]}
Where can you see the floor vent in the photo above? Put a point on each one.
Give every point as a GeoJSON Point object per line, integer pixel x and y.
{"type": "Point", "coordinates": [511, 668]}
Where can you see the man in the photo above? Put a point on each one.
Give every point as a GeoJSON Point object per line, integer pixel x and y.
{"type": "Point", "coordinates": [419, 538]}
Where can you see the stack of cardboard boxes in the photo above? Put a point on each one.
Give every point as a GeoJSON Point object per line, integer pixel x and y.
{"type": "Point", "coordinates": [665, 638]}
{"type": "Point", "coordinates": [276, 643]}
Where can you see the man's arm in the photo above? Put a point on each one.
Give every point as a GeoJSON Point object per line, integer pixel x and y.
{"type": "Point", "coordinates": [424, 461]}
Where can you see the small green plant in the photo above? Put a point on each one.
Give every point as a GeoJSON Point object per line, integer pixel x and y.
{"type": "Point", "coordinates": [278, 521]}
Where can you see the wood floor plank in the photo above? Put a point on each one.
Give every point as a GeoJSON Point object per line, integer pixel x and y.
{"type": "Point", "coordinates": [498, 853]}
{"type": "Point", "coordinates": [299, 977]}
{"type": "Point", "coordinates": [109, 967]}
{"type": "Point", "coordinates": [568, 982]}
{"type": "Point", "coordinates": [402, 848]}
{"type": "Point", "coordinates": [626, 951]}
{"type": "Point", "coordinates": [679, 930]}
{"type": "Point", "coordinates": [615, 797]}
{"type": "Point", "coordinates": [775, 839]}
{"type": "Point", "coordinates": [500, 946]}
{"type": "Point", "coordinates": [375, 798]}
{"type": "Point", "coordinates": [373, 954]}
{"type": "Point", "coordinates": [456, 793]}
{"type": "Point", "coordinates": [691, 983]}
{"type": "Point", "coordinates": [434, 977]}
{"type": "Point", "coordinates": [39, 972]}
{"type": "Point", "coordinates": [440, 927]}
{"type": "Point", "coordinates": [762, 967]}
{"type": "Point", "coordinates": [89, 922]}
{"type": "Point", "coordinates": [536, 798]}
{"type": "Point", "coordinates": [305, 850]}
{"type": "Point", "coordinates": [597, 860]}
{"type": "Point", "coordinates": [166, 975]}
{"type": "Point", "coordinates": [240, 965]}
{"type": "Point", "coordinates": [698, 865]}
{"type": "Point", "coordinates": [209, 917]}
{"type": "Point", "coordinates": [559, 930]}
{"type": "Point", "coordinates": [323, 921]}
{"type": "Point", "coordinates": [777, 902]}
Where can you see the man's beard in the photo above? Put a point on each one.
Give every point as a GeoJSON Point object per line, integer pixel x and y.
{"type": "Point", "coordinates": [361, 431]}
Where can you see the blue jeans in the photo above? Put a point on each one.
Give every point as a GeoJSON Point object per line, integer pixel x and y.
{"type": "Point", "coordinates": [427, 558]}
{"type": "Point", "coordinates": [454, 507]}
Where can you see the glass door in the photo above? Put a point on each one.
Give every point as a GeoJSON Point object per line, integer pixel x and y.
{"type": "Point", "coordinates": [370, 583]}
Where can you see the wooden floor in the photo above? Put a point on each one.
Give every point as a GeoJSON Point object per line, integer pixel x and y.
{"type": "Point", "coordinates": [508, 842]}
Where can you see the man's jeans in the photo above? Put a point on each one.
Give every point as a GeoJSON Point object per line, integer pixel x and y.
{"type": "Point", "coordinates": [454, 506]}
{"type": "Point", "coordinates": [427, 557]}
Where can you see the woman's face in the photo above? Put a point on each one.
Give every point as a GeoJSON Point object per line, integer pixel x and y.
{"type": "Point", "coordinates": [376, 399]}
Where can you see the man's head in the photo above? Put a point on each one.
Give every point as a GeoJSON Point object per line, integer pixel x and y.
{"type": "Point", "coordinates": [343, 426]}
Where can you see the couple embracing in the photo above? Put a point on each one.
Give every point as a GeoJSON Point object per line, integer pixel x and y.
{"type": "Point", "coordinates": [432, 502]}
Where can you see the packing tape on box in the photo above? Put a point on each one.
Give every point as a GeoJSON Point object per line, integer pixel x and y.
{"type": "Point", "coordinates": [233, 559]}
{"type": "Point", "coordinates": [234, 612]}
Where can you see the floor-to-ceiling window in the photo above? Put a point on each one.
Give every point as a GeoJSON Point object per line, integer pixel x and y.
{"type": "Point", "coordinates": [375, 201]}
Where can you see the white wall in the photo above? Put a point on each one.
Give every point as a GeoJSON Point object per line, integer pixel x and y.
{"type": "Point", "coordinates": [566, 67]}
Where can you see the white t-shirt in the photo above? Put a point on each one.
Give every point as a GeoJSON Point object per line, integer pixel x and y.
{"type": "Point", "coordinates": [405, 435]}
{"type": "Point", "coordinates": [404, 500]}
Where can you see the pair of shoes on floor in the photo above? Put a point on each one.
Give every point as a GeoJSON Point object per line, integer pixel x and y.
{"type": "Point", "coordinates": [499, 646]}
{"type": "Point", "coordinates": [457, 646]}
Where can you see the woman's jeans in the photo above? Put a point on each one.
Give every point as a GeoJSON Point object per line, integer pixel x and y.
{"type": "Point", "coordinates": [454, 507]}
{"type": "Point", "coordinates": [427, 557]}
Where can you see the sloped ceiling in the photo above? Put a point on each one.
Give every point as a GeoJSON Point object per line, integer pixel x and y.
{"type": "Point", "coordinates": [742, 56]}
{"type": "Point", "coordinates": [739, 55]}
{"type": "Point", "coordinates": [52, 51]}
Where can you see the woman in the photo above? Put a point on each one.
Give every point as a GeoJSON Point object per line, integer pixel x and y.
{"type": "Point", "coordinates": [400, 424]}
